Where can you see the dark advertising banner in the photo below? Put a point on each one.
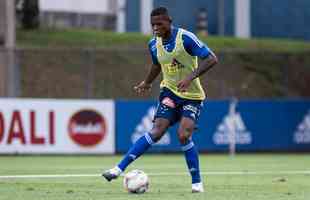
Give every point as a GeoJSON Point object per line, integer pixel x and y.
{"type": "Point", "coordinates": [252, 125]}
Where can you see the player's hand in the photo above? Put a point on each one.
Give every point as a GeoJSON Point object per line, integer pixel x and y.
{"type": "Point", "coordinates": [184, 84]}
{"type": "Point", "coordinates": [142, 87]}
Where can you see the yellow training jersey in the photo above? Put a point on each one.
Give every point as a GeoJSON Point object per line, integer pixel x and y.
{"type": "Point", "coordinates": [176, 65]}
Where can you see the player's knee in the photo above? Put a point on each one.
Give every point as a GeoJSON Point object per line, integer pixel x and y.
{"type": "Point", "coordinates": [157, 132]}
{"type": "Point", "coordinates": [182, 138]}
{"type": "Point", "coordinates": [155, 137]}
{"type": "Point", "coordinates": [184, 135]}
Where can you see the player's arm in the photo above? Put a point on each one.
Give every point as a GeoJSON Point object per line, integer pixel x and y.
{"type": "Point", "coordinates": [205, 65]}
{"type": "Point", "coordinates": [154, 71]}
{"type": "Point", "coordinates": [146, 84]}
{"type": "Point", "coordinates": [196, 48]}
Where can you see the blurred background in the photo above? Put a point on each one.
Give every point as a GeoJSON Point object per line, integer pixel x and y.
{"type": "Point", "coordinates": [73, 63]}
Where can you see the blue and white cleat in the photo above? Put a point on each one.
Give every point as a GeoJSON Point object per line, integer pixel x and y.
{"type": "Point", "coordinates": [111, 174]}
{"type": "Point", "coordinates": [197, 187]}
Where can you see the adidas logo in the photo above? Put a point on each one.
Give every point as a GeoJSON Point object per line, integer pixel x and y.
{"type": "Point", "coordinates": [302, 134]}
{"type": "Point", "coordinates": [146, 125]}
{"type": "Point", "coordinates": [232, 122]}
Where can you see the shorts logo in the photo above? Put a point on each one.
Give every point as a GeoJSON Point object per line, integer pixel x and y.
{"type": "Point", "coordinates": [193, 115]}
{"type": "Point", "coordinates": [168, 102]}
{"type": "Point", "coordinates": [190, 108]}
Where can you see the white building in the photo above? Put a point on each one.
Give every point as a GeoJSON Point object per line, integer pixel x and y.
{"type": "Point", "coordinates": [100, 14]}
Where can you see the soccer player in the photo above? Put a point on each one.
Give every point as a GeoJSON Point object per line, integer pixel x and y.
{"type": "Point", "coordinates": [175, 54]}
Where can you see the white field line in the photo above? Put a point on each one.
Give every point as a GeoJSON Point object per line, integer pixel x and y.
{"type": "Point", "coordinates": [216, 173]}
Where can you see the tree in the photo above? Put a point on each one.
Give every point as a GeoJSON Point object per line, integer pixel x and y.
{"type": "Point", "coordinates": [29, 13]}
{"type": "Point", "coordinates": [2, 22]}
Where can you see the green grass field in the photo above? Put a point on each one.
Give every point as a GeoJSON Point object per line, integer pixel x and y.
{"type": "Point", "coordinates": [244, 177]}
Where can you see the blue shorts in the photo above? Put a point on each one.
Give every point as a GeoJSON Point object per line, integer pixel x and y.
{"type": "Point", "coordinates": [173, 107]}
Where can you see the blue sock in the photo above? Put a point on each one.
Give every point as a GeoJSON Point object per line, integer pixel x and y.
{"type": "Point", "coordinates": [192, 160]}
{"type": "Point", "coordinates": [141, 146]}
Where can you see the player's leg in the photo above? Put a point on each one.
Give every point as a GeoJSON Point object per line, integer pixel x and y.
{"type": "Point", "coordinates": [164, 117]}
{"type": "Point", "coordinates": [187, 125]}
{"type": "Point", "coordinates": [145, 142]}
{"type": "Point", "coordinates": [141, 145]}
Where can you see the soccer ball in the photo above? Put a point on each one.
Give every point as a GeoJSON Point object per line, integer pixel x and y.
{"type": "Point", "coordinates": [136, 181]}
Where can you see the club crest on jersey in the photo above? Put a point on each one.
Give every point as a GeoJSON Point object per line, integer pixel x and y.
{"type": "Point", "coordinates": [168, 102]}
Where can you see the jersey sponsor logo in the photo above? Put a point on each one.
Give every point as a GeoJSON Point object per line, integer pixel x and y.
{"type": "Point", "coordinates": [171, 69]}
{"type": "Point", "coordinates": [302, 134]}
{"type": "Point", "coordinates": [168, 102]}
{"type": "Point", "coordinates": [232, 124]}
{"type": "Point", "coordinates": [146, 125]}
{"type": "Point", "coordinates": [176, 63]}
{"type": "Point", "coordinates": [87, 128]}
{"type": "Point", "coordinates": [174, 66]}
